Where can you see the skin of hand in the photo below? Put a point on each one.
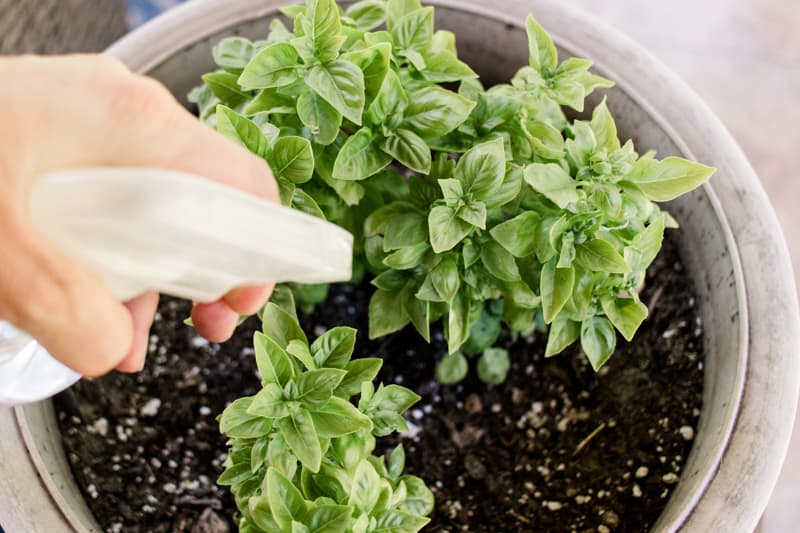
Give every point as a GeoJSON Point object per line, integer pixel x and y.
{"type": "Point", "coordinates": [89, 110]}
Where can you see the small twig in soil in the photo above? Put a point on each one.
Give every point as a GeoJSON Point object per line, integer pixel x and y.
{"type": "Point", "coordinates": [654, 300]}
{"type": "Point", "coordinates": [518, 516]}
{"type": "Point", "coordinates": [213, 503]}
{"type": "Point", "coordinates": [585, 442]}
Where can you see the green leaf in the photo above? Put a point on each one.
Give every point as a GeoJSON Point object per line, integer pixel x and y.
{"type": "Point", "coordinates": [626, 314]}
{"type": "Point", "coordinates": [483, 333]}
{"type": "Point", "coordinates": [390, 280]}
{"type": "Point", "coordinates": [270, 101]}
{"type": "Point", "coordinates": [366, 487]}
{"type": "Point", "coordinates": [419, 500]}
{"type": "Point", "coordinates": [434, 112]}
{"type": "Point", "coordinates": [319, 116]}
{"type": "Point", "coordinates": [281, 326]}
{"type": "Point", "coordinates": [493, 366]}
{"type": "Point", "coordinates": [285, 501]}
{"type": "Point", "coordinates": [223, 85]}
{"type": "Point", "coordinates": [563, 332]}
{"type": "Point", "coordinates": [315, 387]}
{"type": "Point", "coordinates": [233, 53]}
{"type": "Point", "coordinates": [299, 350]}
{"type": "Point", "coordinates": [373, 62]}
{"type": "Point", "coordinates": [600, 256]}
{"type": "Point", "coordinates": [407, 257]}
{"type": "Point", "coordinates": [390, 102]}
{"type": "Point", "coordinates": [547, 141]}
{"type": "Point", "coordinates": [241, 130]}
{"type": "Point", "coordinates": [302, 201]}
{"type": "Point", "coordinates": [452, 368]}
{"type": "Point", "coordinates": [273, 363]}
{"type": "Point", "coordinates": [235, 475]}
{"type": "Point", "coordinates": [269, 403]}
{"type": "Point", "coordinates": [236, 422]}
{"type": "Point", "coordinates": [443, 66]}
{"type": "Point", "coordinates": [518, 235]}
{"type": "Point", "coordinates": [394, 398]}
{"type": "Point", "coordinates": [341, 84]}
{"type": "Point", "coordinates": [598, 340]}
{"type": "Point", "coordinates": [414, 30]}
{"type": "Point", "coordinates": [418, 311]}
{"type": "Point", "coordinates": [323, 29]}
{"type": "Point", "coordinates": [405, 229]}
{"type": "Point", "coordinates": [645, 246]}
{"type": "Point", "coordinates": [329, 518]}
{"type": "Point", "coordinates": [452, 191]}
{"type": "Point", "coordinates": [543, 55]}
{"type": "Point", "coordinates": [301, 436]}
{"type": "Point", "coordinates": [258, 454]}
{"type": "Point", "coordinates": [395, 9]}
{"type": "Point", "coordinates": [445, 229]}
{"type": "Point", "coordinates": [397, 462]}
{"type": "Point", "coordinates": [508, 191]}
{"type": "Point", "coordinates": [669, 178]}
{"type": "Point", "coordinates": [293, 159]}
{"type": "Point", "coordinates": [275, 66]}
{"type": "Point", "coordinates": [605, 131]}
{"type": "Point", "coordinates": [280, 456]}
{"type": "Point", "coordinates": [334, 348]}
{"type": "Point", "coordinates": [499, 262]}
{"type": "Point", "coordinates": [399, 521]}
{"type": "Point", "coordinates": [360, 157]}
{"type": "Point", "coordinates": [409, 150]}
{"type": "Point", "coordinates": [555, 287]}
{"type": "Point", "coordinates": [552, 181]}
{"type": "Point", "coordinates": [445, 278]}
{"type": "Point", "coordinates": [482, 168]}
{"type": "Point", "coordinates": [384, 315]}
{"type": "Point", "coordinates": [338, 417]}
{"type": "Point", "coordinates": [261, 516]}
{"type": "Point", "coordinates": [359, 371]}
{"type": "Point", "coordinates": [457, 323]}
{"type": "Point", "coordinates": [367, 14]}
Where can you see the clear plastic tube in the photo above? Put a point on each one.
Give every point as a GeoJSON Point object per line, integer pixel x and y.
{"type": "Point", "coordinates": [151, 229]}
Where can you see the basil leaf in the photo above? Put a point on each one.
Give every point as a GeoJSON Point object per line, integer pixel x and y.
{"type": "Point", "coordinates": [315, 387]}
{"type": "Point", "coordinates": [390, 280]}
{"type": "Point", "coordinates": [508, 191]}
{"type": "Point", "coordinates": [367, 14]}
{"type": "Point", "coordinates": [645, 246]}
{"type": "Point", "coordinates": [390, 102]}
{"type": "Point", "coordinates": [598, 341]}
{"type": "Point", "coordinates": [407, 257]}
{"type": "Point", "coordinates": [452, 191]}
{"type": "Point", "coordinates": [605, 131]}
{"type": "Point", "coordinates": [269, 403]}
{"type": "Point", "coordinates": [482, 168]}
{"type": "Point", "coordinates": [600, 256]}
{"type": "Point", "coordinates": [547, 141]}
{"type": "Point", "coordinates": [397, 462]}
{"type": "Point", "coordinates": [457, 323]}
{"type": "Point", "coordinates": [319, 116]}
{"type": "Point", "coordinates": [493, 366]}
{"type": "Point", "coordinates": [555, 287]}
{"type": "Point", "coordinates": [552, 181]}
{"type": "Point", "coordinates": [286, 502]}
{"type": "Point", "coordinates": [395, 9]}
{"type": "Point", "coordinates": [414, 30]}
{"type": "Point", "coordinates": [293, 159]}
{"type": "Point", "coordinates": [419, 500]}
{"type": "Point", "coordinates": [483, 333]}
{"type": "Point", "coordinates": [302, 201]}
{"type": "Point", "coordinates": [445, 229]}
{"type": "Point", "coordinates": [442, 66]}
{"type": "Point", "coordinates": [338, 417]}
{"type": "Point", "coordinates": [418, 311]}
{"type": "Point", "coordinates": [626, 314]}
{"type": "Point", "coordinates": [406, 229]}
{"type": "Point", "coordinates": [272, 102]}
{"type": "Point", "coordinates": [275, 66]}
{"type": "Point", "coordinates": [669, 178]}
{"type": "Point", "coordinates": [334, 348]}
{"type": "Point", "coordinates": [373, 62]}
{"type": "Point", "coordinates": [433, 112]}
{"type": "Point", "coordinates": [563, 332]}
{"type": "Point", "coordinates": [223, 85]}
{"type": "Point", "coordinates": [341, 84]}
{"type": "Point", "coordinates": [358, 371]}
{"type": "Point", "coordinates": [301, 436]}
{"type": "Point", "coordinates": [445, 278]}
{"type": "Point", "coordinates": [409, 150]}
{"type": "Point", "coordinates": [499, 262]}
{"type": "Point", "coordinates": [384, 317]}
{"type": "Point", "coordinates": [452, 369]}
{"type": "Point", "coordinates": [542, 51]}
{"type": "Point", "coordinates": [360, 157]}
{"type": "Point", "coordinates": [366, 488]}
{"type": "Point", "coordinates": [272, 361]}
{"type": "Point", "coordinates": [517, 235]}
{"type": "Point", "coordinates": [233, 53]}
{"type": "Point", "coordinates": [328, 518]}
{"type": "Point", "coordinates": [322, 37]}
{"type": "Point", "coordinates": [394, 520]}
{"type": "Point", "coordinates": [236, 422]}
{"type": "Point", "coordinates": [241, 130]}
{"type": "Point", "coordinates": [280, 326]}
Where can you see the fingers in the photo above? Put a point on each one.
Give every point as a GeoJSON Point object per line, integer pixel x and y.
{"type": "Point", "coordinates": [215, 321]}
{"type": "Point", "coordinates": [248, 300]}
{"type": "Point", "coordinates": [68, 310]}
{"type": "Point", "coordinates": [142, 310]}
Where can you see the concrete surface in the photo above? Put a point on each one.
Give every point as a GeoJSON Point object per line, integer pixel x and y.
{"type": "Point", "coordinates": [743, 58]}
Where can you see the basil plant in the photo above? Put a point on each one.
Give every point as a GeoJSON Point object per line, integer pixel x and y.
{"type": "Point", "coordinates": [470, 205]}
{"type": "Point", "coordinates": [301, 454]}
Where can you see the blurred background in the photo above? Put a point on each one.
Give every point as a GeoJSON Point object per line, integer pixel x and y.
{"type": "Point", "coordinates": [741, 56]}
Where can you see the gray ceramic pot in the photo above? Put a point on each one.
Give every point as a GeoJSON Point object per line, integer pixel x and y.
{"type": "Point", "coordinates": [730, 240]}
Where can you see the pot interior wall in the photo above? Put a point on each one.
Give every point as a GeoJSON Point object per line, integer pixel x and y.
{"type": "Point", "coordinates": [496, 49]}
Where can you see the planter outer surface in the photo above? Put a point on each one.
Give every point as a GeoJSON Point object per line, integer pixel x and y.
{"type": "Point", "coordinates": [730, 240]}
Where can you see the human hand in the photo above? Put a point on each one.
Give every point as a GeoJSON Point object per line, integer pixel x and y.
{"type": "Point", "coordinates": [77, 111]}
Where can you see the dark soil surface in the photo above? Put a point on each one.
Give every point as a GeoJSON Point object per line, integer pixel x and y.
{"type": "Point", "coordinates": [555, 448]}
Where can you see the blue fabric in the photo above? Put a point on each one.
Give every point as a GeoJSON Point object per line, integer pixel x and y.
{"type": "Point", "coordinates": [140, 11]}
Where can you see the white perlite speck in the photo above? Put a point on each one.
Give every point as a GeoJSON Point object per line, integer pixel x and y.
{"type": "Point", "coordinates": [641, 472]}
{"type": "Point", "coordinates": [553, 506]}
{"type": "Point", "coordinates": [686, 432]}
{"type": "Point", "coordinates": [151, 407]}
{"type": "Point", "coordinates": [670, 479]}
{"type": "Point", "coordinates": [637, 491]}
{"type": "Point", "coordinates": [602, 528]}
